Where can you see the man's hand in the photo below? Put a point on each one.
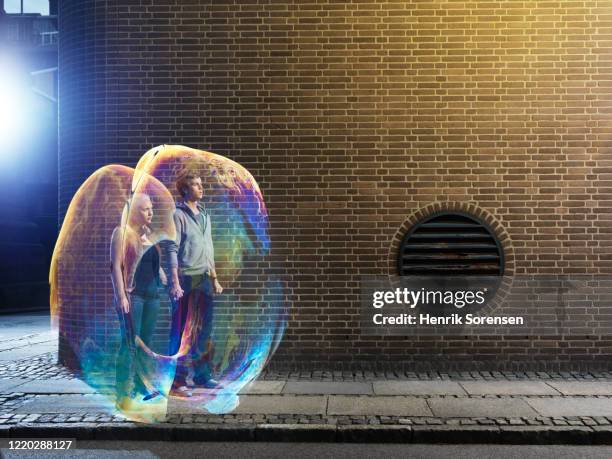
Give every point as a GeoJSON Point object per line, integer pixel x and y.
{"type": "Point", "coordinates": [217, 287]}
{"type": "Point", "coordinates": [176, 292]}
{"type": "Point", "coordinates": [125, 304]}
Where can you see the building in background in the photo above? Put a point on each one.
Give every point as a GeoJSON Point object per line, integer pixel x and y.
{"type": "Point", "coordinates": [360, 120]}
{"type": "Point", "coordinates": [28, 151]}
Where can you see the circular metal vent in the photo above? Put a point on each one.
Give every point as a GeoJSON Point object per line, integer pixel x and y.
{"type": "Point", "coordinates": [450, 244]}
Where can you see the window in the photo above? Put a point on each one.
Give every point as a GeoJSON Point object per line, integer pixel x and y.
{"type": "Point", "coordinates": [29, 6]}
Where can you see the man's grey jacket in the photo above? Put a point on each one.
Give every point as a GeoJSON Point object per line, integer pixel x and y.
{"type": "Point", "coordinates": [192, 251]}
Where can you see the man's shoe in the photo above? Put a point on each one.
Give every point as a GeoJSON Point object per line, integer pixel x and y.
{"type": "Point", "coordinates": [209, 384]}
{"type": "Point", "coordinates": [182, 391]}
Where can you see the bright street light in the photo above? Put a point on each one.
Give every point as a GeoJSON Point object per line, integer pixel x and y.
{"type": "Point", "coordinates": [15, 100]}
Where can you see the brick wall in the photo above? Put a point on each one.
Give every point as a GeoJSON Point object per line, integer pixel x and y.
{"type": "Point", "coordinates": [355, 116]}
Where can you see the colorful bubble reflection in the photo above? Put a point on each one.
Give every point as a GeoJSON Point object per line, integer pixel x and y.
{"type": "Point", "coordinates": [111, 282]}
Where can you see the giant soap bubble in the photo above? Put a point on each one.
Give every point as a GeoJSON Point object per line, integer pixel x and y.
{"type": "Point", "coordinates": [123, 219]}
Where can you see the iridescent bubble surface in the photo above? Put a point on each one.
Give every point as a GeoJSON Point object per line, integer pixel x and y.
{"type": "Point", "coordinates": [249, 315]}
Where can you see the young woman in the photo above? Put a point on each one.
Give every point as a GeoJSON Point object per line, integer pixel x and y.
{"type": "Point", "coordinates": [136, 275]}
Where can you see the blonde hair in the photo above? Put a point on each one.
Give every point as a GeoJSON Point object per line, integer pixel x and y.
{"type": "Point", "coordinates": [134, 200]}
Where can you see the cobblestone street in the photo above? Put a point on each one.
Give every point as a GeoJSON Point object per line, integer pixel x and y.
{"type": "Point", "coordinates": [38, 396]}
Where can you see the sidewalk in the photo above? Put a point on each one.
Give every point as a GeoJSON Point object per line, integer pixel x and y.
{"type": "Point", "coordinates": [40, 398]}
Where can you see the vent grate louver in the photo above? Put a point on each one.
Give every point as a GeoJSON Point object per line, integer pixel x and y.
{"type": "Point", "coordinates": [450, 244]}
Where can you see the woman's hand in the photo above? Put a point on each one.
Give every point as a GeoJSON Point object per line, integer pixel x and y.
{"type": "Point", "coordinates": [217, 287]}
{"type": "Point", "coordinates": [162, 277]}
{"type": "Point", "coordinates": [125, 304]}
{"type": "Point", "coordinates": [176, 292]}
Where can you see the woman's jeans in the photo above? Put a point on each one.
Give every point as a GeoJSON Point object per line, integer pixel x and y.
{"type": "Point", "coordinates": [140, 321]}
{"type": "Point", "coordinates": [195, 367]}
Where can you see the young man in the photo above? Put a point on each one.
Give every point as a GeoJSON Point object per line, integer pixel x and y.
{"type": "Point", "coordinates": [193, 282]}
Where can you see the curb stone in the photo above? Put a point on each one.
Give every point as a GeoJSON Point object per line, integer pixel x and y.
{"type": "Point", "coordinates": [566, 435]}
{"type": "Point", "coordinates": [456, 434]}
{"type": "Point", "coordinates": [80, 431]}
{"type": "Point", "coordinates": [296, 432]}
{"type": "Point", "coordinates": [129, 431]}
{"type": "Point", "coordinates": [602, 435]}
{"type": "Point", "coordinates": [433, 434]}
{"type": "Point", "coordinates": [210, 432]}
{"type": "Point", "coordinates": [374, 434]}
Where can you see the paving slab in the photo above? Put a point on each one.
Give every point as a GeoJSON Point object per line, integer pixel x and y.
{"type": "Point", "coordinates": [27, 352]}
{"type": "Point", "coordinates": [571, 406]}
{"type": "Point", "coordinates": [21, 343]}
{"type": "Point", "coordinates": [327, 388]}
{"type": "Point", "coordinates": [264, 387]}
{"type": "Point", "coordinates": [417, 388]}
{"type": "Point", "coordinates": [56, 386]}
{"type": "Point", "coordinates": [583, 387]}
{"type": "Point", "coordinates": [381, 405]}
{"type": "Point", "coordinates": [255, 404]}
{"type": "Point", "coordinates": [15, 326]}
{"type": "Point", "coordinates": [480, 407]}
{"type": "Point", "coordinates": [508, 388]}
{"type": "Point", "coordinates": [66, 404]}
{"type": "Point", "coordinates": [195, 404]}
{"type": "Point", "coordinates": [281, 404]}
{"type": "Point", "coordinates": [9, 385]}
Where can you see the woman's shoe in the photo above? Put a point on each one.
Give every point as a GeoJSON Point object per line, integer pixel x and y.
{"type": "Point", "coordinates": [151, 396]}
{"type": "Point", "coordinates": [126, 404]}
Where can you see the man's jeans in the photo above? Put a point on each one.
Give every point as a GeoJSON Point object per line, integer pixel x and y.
{"type": "Point", "coordinates": [195, 367]}
{"type": "Point", "coordinates": [140, 321]}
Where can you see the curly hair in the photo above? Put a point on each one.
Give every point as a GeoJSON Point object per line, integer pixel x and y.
{"type": "Point", "coordinates": [183, 181]}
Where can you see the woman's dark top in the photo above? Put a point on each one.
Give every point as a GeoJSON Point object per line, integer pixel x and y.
{"type": "Point", "coordinates": [146, 278]}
